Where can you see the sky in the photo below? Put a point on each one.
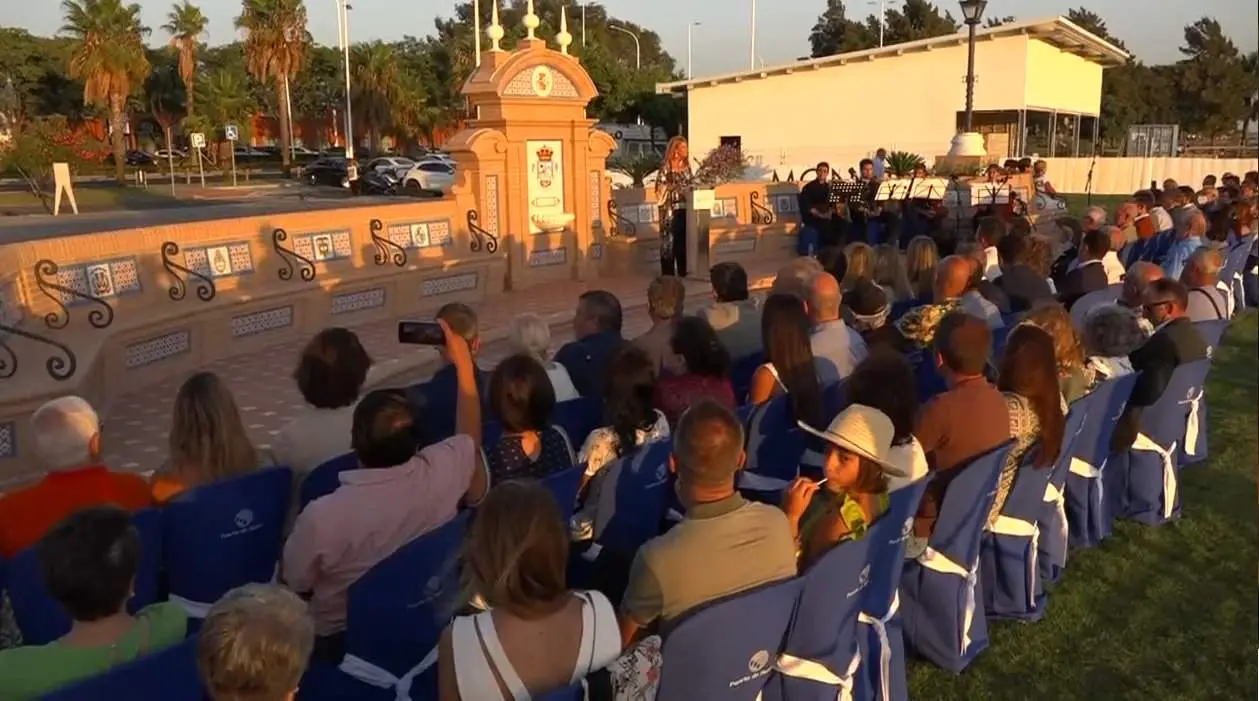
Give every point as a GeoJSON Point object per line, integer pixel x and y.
{"type": "Point", "coordinates": [721, 43]}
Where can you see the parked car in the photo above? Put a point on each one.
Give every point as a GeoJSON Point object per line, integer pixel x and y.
{"type": "Point", "coordinates": [248, 152]}
{"type": "Point", "coordinates": [429, 177]}
{"type": "Point", "coordinates": [138, 158]}
{"type": "Point", "coordinates": [175, 153]}
{"type": "Point", "coordinates": [327, 171]}
{"type": "Point", "coordinates": [303, 151]}
{"type": "Point", "coordinates": [395, 165]}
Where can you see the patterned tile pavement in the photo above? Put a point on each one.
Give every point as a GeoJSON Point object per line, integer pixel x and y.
{"type": "Point", "coordinates": [136, 425]}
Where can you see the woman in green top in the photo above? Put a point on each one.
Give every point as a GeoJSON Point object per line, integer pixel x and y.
{"type": "Point", "coordinates": [855, 471]}
{"type": "Point", "coordinates": [89, 564]}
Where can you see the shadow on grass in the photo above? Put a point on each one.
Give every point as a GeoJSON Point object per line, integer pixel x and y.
{"type": "Point", "coordinates": [1167, 612]}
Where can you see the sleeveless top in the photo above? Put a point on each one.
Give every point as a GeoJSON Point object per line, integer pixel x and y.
{"type": "Point", "coordinates": [778, 382]}
{"type": "Point", "coordinates": [506, 459]}
{"type": "Point", "coordinates": [474, 672]}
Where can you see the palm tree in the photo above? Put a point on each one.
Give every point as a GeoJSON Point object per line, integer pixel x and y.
{"type": "Point", "coordinates": [378, 87]}
{"type": "Point", "coordinates": [227, 101]}
{"type": "Point", "coordinates": [109, 59]}
{"type": "Point", "coordinates": [275, 45]}
{"type": "Point", "coordinates": [186, 24]}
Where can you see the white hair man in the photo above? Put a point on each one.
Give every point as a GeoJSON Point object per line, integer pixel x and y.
{"type": "Point", "coordinates": [1094, 218]}
{"type": "Point", "coordinates": [1208, 299]}
{"type": "Point", "coordinates": [66, 440]}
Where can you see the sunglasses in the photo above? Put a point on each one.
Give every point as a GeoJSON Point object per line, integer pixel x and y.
{"type": "Point", "coordinates": [1148, 309]}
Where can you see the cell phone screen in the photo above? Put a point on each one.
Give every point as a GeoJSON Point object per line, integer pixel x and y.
{"type": "Point", "coordinates": [421, 333]}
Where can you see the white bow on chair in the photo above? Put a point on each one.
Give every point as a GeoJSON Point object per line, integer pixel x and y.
{"type": "Point", "coordinates": [1055, 496]}
{"type": "Point", "coordinates": [939, 562]}
{"type": "Point", "coordinates": [800, 668]}
{"type": "Point", "coordinates": [885, 646]}
{"type": "Point", "coordinates": [380, 678]}
{"type": "Point", "coordinates": [1146, 443]}
{"type": "Point", "coordinates": [1191, 423]}
{"type": "Point", "coordinates": [1007, 525]}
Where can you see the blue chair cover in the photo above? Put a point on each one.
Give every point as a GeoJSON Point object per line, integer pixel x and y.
{"type": "Point", "coordinates": [999, 336]}
{"type": "Point", "coordinates": [167, 675]}
{"type": "Point", "coordinates": [1054, 539]}
{"type": "Point", "coordinates": [1107, 295]}
{"type": "Point", "coordinates": [325, 479]}
{"type": "Point", "coordinates": [820, 657]}
{"type": "Point", "coordinates": [1167, 427]}
{"type": "Point", "coordinates": [941, 594]}
{"type": "Point", "coordinates": [576, 692]}
{"type": "Point", "coordinates": [222, 535]}
{"type": "Point", "coordinates": [578, 417]}
{"type": "Point", "coordinates": [927, 377]}
{"type": "Point", "coordinates": [1163, 241]}
{"type": "Point", "coordinates": [1233, 273]}
{"type": "Point", "coordinates": [879, 624]}
{"type": "Point", "coordinates": [40, 617]}
{"type": "Point", "coordinates": [1090, 501]}
{"type": "Point", "coordinates": [899, 308]}
{"type": "Point", "coordinates": [726, 650]}
{"type": "Point", "coordinates": [564, 485]}
{"type": "Point", "coordinates": [640, 498]}
{"type": "Point", "coordinates": [395, 613]}
{"type": "Point", "coordinates": [1213, 333]}
{"type": "Point", "coordinates": [1008, 566]}
{"type": "Point", "coordinates": [776, 447]}
{"type": "Point", "coordinates": [741, 374]}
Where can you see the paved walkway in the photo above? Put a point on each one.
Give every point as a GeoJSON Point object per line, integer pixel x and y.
{"type": "Point", "coordinates": [136, 425]}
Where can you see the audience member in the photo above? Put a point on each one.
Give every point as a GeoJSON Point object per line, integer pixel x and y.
{"type": "Point", "coordinates": [1126, 215]}
{"type": "Point", "coordinates": [597, 326]}
{"type": "Point", "coordinates": [208, 441]}
{"type": "Point", "coordinates": [666, 298]}
{"type": "Point", "coordinates": [436, 398]}
{"type": "Point", "coordinates": [1187, 241]}
{"type": "Point", "coordinates": [1135, 284]}
{"type": "Point", "coordinates": [330, 374]}
{"type": "Point", "coordinates": [395, 496]}
{"type": "Point", "coordinates": [1175, 341]}
{"type": "Point", "coordinates": [970, 418]}
{"type": "Point", "coordinates": [723, 546]}
{"type": "Point", "coordinates": [921, 259]}
{"type": "Point", "coordinates": [974, 302]}
{"type": "Point", "coordinates": [866, 310]}
{"type": "Point", "coordinates": [1090, 275]}
{"type": "Point", "coordinates": [528, 333]}
{"type": "Point", "coordinates": [523, 402]}
{"type": "Point", "coordinates": [1029, 383]}
{"type": "Point", "coordinates": [1207, 301]}
{"type": "Point", "coordinates": [860, 257]}
{"type": "Point", "coordinates": [832, 260]}
{"type": "Point", "coordinates": [1110, 262]}
{"type": "Point", "coordinates": [255, 644]}
{"type": "Point", "coordinates": [698, 367]}
{"type": "Point", "coordinates": [66, 441]}
{"type": "Point", "coordinates": [631, 419]}
{"type": "Point", "coordinates": [1074, 377]}
{"type": "Point", "coordinates": [789, 367]}
{"type": "Point", "coordinates": [1184, 205]}
{"type": "Point", "coordinates": [854, 490]}
{"type": "Point", "coordinates": [88, 563]}
{"type": "Point", "coordinates": [735, 317]}
{"type": "Point", "coordinates": [989, 234]}
{"type": "Point", "coordinates": [1219, 228]}
{"type": "Point", "coordinates": [1111, 334]}
{"type": "Point", "coordinates": [918, 325]}
{"type": "Point", "coordinates": [536, 635]}
{"type": "Point", "coordinates": [836, 348]}
{"type": "Point", "coordinates": [889, 272]}
{"type": "Point", "coordinates": [1149, 200]}
{"type": "Point", "coordinates": [885, 381]}
{"type": "Point", "coordinates": [1023, 284]}
{"type": "Point", "coordinates": [795, 277]}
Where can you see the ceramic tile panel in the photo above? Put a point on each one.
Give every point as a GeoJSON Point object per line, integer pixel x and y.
{"type": "Point", "coordinates": [596, 190]}
{"type": "Point", "coordinates": [439, 233]}
{"type": "Point", "coordinates": [347, 302]}
{"type": "Point", "coordinates": [260, 322]}
{"type": "Point", "coordinates": [725, 208]}
{"type": "Point", "coordinates": [736, 246]}
{"type": "Point", "coordinates": [74, 278]}
{"type": "Point", "coordinates": [544, 257]}
{"type": "Point", "coordinates": [784, 204]}
{"type": "Point", "coordinates": [490, 215]}
{"type": "Point", "coordinates": [220, 260]}
{"type": "Point", "coordinates": [8, 440]}
{"type": "Point", "coordinates": [596, 251]}
{"type": "Point", "coordinates": [126, 275]}
{"type": "Point", "coordinates": [241, 256]}
{"type": "Point", "coordinates": [423, 234]}
{"type": "Point", "coordinates": [159, 348]}
{"type": "Point", "coordinates": [342, 244]}
{"type": "Point", "coordinates": [434, 287]}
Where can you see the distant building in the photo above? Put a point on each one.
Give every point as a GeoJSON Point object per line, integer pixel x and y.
{"type": "Point", "coordinates": [1038, 90]}
{"type": "Point", "coordinates": [634, 140]}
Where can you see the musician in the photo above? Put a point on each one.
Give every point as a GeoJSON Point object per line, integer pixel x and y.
{"type": "Point", "coordinates": [672, 184]}
{"type": "Point", "coordinates": [816, 190]}
{"type": "Point", "coordinates": [1047, 199]}
{"type": "Point", "coordinates": [929, 209]}
{"type": "Point", "coordinates": [863, 210]}
{"type": "Point", "coordinates": [994, 177]}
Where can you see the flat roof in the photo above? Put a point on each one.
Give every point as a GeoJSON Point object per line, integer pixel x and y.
{"type": "Point", "coordinates": [1058, 31]}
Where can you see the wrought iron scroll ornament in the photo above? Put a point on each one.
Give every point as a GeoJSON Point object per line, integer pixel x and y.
{"type": "Point", "coordinates": [620, 225]}
{"type": "Point", "coordinates": [480, 237]}
{"type": "Point", "coordinates": [305, 267]}
{"type": "Point", "coordinates": [761, 215]}
{"type": "Point", "coordinates": [179, 288]}
{"type": "Point", "coordinates": [59, 368]}
{"type": "Point", "coordinates": [45, 276]}
{"type": "Point", "coordinates": [383, 244]}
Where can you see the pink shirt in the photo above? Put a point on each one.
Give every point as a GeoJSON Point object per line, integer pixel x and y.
{"type": "Point", "coordinates": [339, 537]}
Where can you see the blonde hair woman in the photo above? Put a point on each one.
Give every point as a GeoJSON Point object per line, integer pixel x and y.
{"type": "Point", "coordinates": [1074, 375]}
{"type": "Point", "coordinates": [529, 334]}
{"type": "Point", "coordinates": [921, 259]}
{"type": "Point", "coordinates": [860, 257]}
{"type": "Point", "coordinates": [208, 441]}
{"type": "Point", "coordinates": [889, 272]}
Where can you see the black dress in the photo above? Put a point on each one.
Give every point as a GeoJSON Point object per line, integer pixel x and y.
{"type": "Point", "coordinates": [673, 222]}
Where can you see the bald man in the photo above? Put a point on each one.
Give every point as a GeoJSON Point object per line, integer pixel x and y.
{"type": "Point", "coordinates": [976, 302]}
{"type": "Point", "coordinates": [918, 325]}
{"type": "Point", "coordinates": [795, 277]}
{"type": "Point", "coordinates": [1187, 241]}
{"type": "Point", "coordinates": [1208, 300]}
{"type": "Point", "coordinates": [836, 348]}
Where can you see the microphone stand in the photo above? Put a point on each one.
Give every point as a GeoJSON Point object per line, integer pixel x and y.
{"type": "Point", "coordinates": [1088, 184]}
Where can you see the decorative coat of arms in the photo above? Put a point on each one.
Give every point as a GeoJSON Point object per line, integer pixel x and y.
{"type": "Point", "coordinates": [543, 81]}
{"type": "Point", "coordinates": [546, 166]}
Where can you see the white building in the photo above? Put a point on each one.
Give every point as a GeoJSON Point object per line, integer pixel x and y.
{"type": "Point", "coordinates": [1038, 88]}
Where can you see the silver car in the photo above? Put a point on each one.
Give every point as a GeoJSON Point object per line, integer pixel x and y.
{"type": "Point", "coordinates": [429, 176]}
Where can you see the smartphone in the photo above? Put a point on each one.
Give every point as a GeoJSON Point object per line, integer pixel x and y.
{"type": "Point", "coordinates": [421, 333]}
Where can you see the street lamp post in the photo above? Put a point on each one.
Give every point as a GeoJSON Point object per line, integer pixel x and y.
{"type": "Point", "coordinates": [638, 48]}
{"type": "Point", "coordinates": [973, 12]}
{"type": "Point", "coordinates": [689, 73]}
{"type": "Point", "coordinates": [882, 17]}
{"type": "Point", "coordinates": [752, 49]}
{"type": "Point", "coordinates": [343, 36]}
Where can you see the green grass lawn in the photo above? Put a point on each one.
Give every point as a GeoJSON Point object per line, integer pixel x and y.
{"type": "Point", "coordinates": [1077, 203]}
{"type": "Point", "coordinates": [1165, 612]}
{"type": "Point", "coordinates": [90, 198]}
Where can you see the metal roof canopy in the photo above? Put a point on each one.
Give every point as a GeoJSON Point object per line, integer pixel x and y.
{"type": "Point", "coordinates": [1058, 31]}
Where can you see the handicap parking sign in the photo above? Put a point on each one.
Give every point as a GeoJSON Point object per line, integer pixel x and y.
{"type": "Point", "coordinates": [232, 133]}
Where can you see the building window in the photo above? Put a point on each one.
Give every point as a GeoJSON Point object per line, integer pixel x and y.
{"type": "Point", "coordinates": [735, 141]}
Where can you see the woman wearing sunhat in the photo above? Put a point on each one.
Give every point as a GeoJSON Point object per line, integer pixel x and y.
{"type": "Point", "coordinates": [853, 491]}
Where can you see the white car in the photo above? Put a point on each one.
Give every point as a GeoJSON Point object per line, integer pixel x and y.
{"type": "Point", "coordinates": [303, 151]}
{"type": "Point", "coordinates": [395, 165]}
{"type": "Point", "coordinates": [429, 176]}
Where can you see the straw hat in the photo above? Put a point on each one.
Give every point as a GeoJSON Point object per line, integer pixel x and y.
{"type": "Point", "coordinates": [862, 430]}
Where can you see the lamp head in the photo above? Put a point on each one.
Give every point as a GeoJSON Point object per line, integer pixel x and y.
{"type": "Point", "coordinates": [973, 10]}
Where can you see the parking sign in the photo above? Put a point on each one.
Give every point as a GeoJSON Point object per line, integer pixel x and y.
{"type": "Point", "coordinates": [232, 133]}
{"type": "Point", "coordinates": [197, 139]}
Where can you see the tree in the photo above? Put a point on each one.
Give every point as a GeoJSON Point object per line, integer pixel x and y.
{"type": "Point", "coordinates": [378, 87]}
{"type": "Point", "coordinates": [993, 22]}
{"type": "Point", "coordinates": [38, 143]}
{"type": "Point", "coordinates": [109, 58]}
{"type": "Point", "coordinates": [1212, 80]}
{"type": "Point", "coordinates": [834, 33]}
{"type": "Point", "coordinates": [917, 19]}
{"type": "Point", "coordinates": [1251, 65]}
{"type": "Point", "coordinates": [186, 25]}
{"type": "Point", "coordinates": [226, 100]}
{"type": "Point", "coordinates": [1091, 22]}
{"type": "Point", "coordinates": [276, 41]}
